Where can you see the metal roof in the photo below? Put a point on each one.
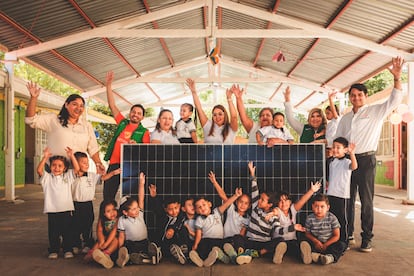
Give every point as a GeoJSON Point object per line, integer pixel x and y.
{"type": "Point", "coordinates": [153, 45]}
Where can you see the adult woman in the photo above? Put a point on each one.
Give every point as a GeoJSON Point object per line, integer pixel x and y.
{"type": "Point", "coordinates": [67, 129]}
{"type": "Point", "coordinates": [314, 130]}
{"type": "Point", "coordinates": [251, 127]}
{"type": "Point", "coordinates": [164, 132]}
{"type": "Point", "coordinates": [221, 129]}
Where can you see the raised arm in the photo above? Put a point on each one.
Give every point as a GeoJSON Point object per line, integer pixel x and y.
{"type": "Point", "coordinates": [246, 121]}
{"type": "Point", "coordinates": [34, 91]}
{"type": "Point", "coordinates": [302, 201]}
{"type": "Point", "coordinates": [141, 191]}
{"type": "Point", "coordinates": [237, 193]}
{"type": "Point", "coordinates": [201, 114]}
{"type": "Point", "coordinates": [233, 114]}
{"type": "Point", "coordinates": [110, 93]}
{"type": "Point", "coordinates": [75, 164]}
{"type": "Point", "coordinates": [219, 189]}
{"type": "Point", "coordinates": [351, 152]}
{"type": "Point", "coordinates": [294, 123]}
{"type": "Point", "coordinates": [41, 166]}
{"type": "Point", "coordinates": [396, 70]}
{"type": "Point", "coordinates": [331, 97]}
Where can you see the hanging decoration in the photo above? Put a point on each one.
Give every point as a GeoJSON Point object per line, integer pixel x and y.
{"type": "Point", "coordinates": [279, 57]}
{"type": "Point", "coordinates": [402, 114]}
{"type": "Point", "coordinates": [395, 118]}
{"type": "Point", "coordinates": [214, 58]}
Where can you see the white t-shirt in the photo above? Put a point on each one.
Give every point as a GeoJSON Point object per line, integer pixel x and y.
{"type": "Point", "coordinates": [83, 188]}
{"type": "Point", "coordinates": [211, 226]}
{"type": "Point", "coordinates": [58, 192]}
{"type": "Point", "coordinates": [135, 228]}
{"type": "Point", "coordinates": [166, 137]}
{"type": "Point", "coordinates": [184, 129]}
{"type": "Point", "coordinates": [252, 133]}
{"type": "Point", "coordinates": [273, 132]}
{"type": "Point", "coordinates": [331, 131]}
{"type": "Point", "coordinates": [340, 178]}
{"type": "Point", "coordinates": [217, 137]}
{"type": "Point", "coordinates": [234, 222]}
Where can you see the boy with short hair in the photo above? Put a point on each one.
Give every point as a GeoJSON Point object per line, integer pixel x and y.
{"type": "Point", "coordinates": [171, 232]}
{"type": "Point", "coordinates": [322, 232]}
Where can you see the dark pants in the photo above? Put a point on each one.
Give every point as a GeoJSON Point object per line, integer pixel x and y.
{"type": "Point", "coordinates": [336, 249]}
{"type": "Point", "coordinates": [205, 246]}
{"type": "Point", "coordinates": [363, 180]}
{"type": "Point", "coordinates": [112, 184]}
{"type": "Point", "coordinates": [245, 243]}
{"type": "Point", "coordinates": [340, 208]}
{"type": "Point", "coordinates": [137, 246]}
{"type": "Point", "coordinates": [60, 225]}
{"type": "Point", "coordinates": [82, 223]}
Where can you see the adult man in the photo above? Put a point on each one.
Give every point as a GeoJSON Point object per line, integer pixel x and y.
{"type": "Point", "coordinates": [128, 132]}
{"type": "Point", "coordinates": [362, 126]}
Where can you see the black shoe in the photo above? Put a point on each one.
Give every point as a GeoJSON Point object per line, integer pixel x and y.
{"type": "Point", "coordinates": [366, 246]}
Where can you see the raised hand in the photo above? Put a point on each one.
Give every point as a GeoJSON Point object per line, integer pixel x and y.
{"type": "Point", "coordinates": [152, 190]}
{"type": "Point", "coordinates": [396, 68]}
{"type": "Point", "coordinates": [315, 186]}
{"type": "Point", "coordinates": [34, 90]}
{"type": "Point", "coordinates": [252, 168]}
{"type": "Point", "coordinates": [287, 94]}
{"type": "Point", "coordinates": [109, 77]}
{"type": "Point", "coordinates": [191, 85]}
{"type": "Point", "coordinates": [235, 88]}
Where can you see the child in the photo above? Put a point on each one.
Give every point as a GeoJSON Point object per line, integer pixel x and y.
{"type": "Point", "coordinates": [83, 192]}
{"type": "Point", "coordinates": [332, 115]}
{"type": "Point", "coordinates": [164, 132]}
{"type": "Point", "coordinates": [276, 133]}
{"type": "Point", "coordinates": [133, 234]}
{"type": "Point", "coordinates": [170, 219]}
{"type": "Point", "coordinates": [286, 212]}
{"type": "Point", "coordinates": [209, 232]}
{"type": "Point", "coordinates": [322, 232]}
{"type": "Point", "coordinates": [339, 181]}
{"type": "Point", "coordinates": [237, 218]}
{"type": "Point", "coordinates": [58, 204]}
{"type": "Point", "coordinates": [259, 231]}
{"type": "Point", "coordinates": [106, 232]}
{"type": "Point", "coordinates": [186, 129]}
{"type": "Point", "coordinates": [189, 223]}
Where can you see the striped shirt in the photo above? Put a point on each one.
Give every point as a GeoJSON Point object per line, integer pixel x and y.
{"type": "Point", "coordinates": [259, 229]}
{"type": "Point", "coordinates": [323, 228]}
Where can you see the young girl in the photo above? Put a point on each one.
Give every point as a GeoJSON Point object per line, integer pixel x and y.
{"type": "Point", "coordinates": [58, 204]}
{"type": "Point", "coordinates": [221, 129]}
{"type": "Point", "coordinates": [133, 234]}
{"type": "Point", "coordinates": [186, 129]}
{"type": "Point", "coordinates": [276, 133]}
{"type": "Point", "coordinates": [237, 217]}
{"type": "Point", "coordinates": [210, 232]}
{"type": "Point", "coordinates": [286, 212]}
{"type": "Point", "coordinates": [164, 132]}
{"type": "Point", "coordinates": [106, 232]}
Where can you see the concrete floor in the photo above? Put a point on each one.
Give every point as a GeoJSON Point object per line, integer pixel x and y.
{"type": "Point", "coordinates": [23, 245]}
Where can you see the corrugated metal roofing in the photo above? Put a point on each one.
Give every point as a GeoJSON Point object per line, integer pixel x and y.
{"type": "Point", "coordinates": [151, 68]}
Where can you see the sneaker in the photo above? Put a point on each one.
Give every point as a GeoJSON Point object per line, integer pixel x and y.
{"type": "Point", "coordinates": [327, 259]}
{"type": "Point", "coordinates": [178, 254]}
{"type": "Point", "coordinates": [85, 250]}
{"type": "Point", "coordinates": [211, 258]}
{"type": "Point", "coordinates": [195, 258]}
{"type": "Point", "coordinates": [123, 257]}
{"type": "Point", "coordinates": [221, 255]}
{"type": "Point", "coordinates": [229, 250]}
{"type": "Point", "coordinates": [76, 250]}
{"type": "Point", "coordinates": [315, 257]}
{"type": "Point", "coordinates": [184, 248]}
{"type": "Point", "coordinates": [102, 258]}
{"type": "Point", "coordinates": [280, 251]}
{"type": "Point", "coordinates": [140, 258]}
{"type": "Point", "coordinates": [306, 252]}
{"type": "Point", "coordinates": [154, 252]}
{"type": "Point", "coordinates": [351, 240]}
{"type": "Point", "coordinates": [68, 255]}
{"type": "Point", "coordinates": [53, 256]}
{"type": "Point", "coordinates": [366, 246]}
{"type": "Point", "coordinates": [243, 259]}
{"type": "Point", "coordinates": [252, 253]}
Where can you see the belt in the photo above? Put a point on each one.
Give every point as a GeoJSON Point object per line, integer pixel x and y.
{"type": "Point", "coordinates": [365, 154]}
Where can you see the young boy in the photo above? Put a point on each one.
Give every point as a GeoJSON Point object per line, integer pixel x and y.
{"type": "Point", "coordinates": [58, 204]}
{"type": "Point", "coordinates": [210, 232]}
{"type": "Point", "coordinates": [339, 181]}
{"type": "Point", "coordinates": [171, 234]}
{"type": "Point", "coordinates": [83, 192]}
{"type": "Point", "coordinates": [277, 132]}
{"type": "Point", "coordinates": [322, 232]}
{"type": "Point", "coordinates": [259, 231]}
{"type": "Point", "coordinates": [189, 223]}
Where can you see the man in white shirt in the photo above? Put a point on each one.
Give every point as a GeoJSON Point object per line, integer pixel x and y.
{"type": "Point", "coordinates": [362, 126]}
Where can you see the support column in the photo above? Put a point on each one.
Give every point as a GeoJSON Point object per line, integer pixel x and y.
{"type": "Point", "coordinates": [410, 135]}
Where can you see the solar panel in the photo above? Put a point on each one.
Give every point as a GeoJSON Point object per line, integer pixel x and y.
{"type": "Point", "coordinates": [182, 170]}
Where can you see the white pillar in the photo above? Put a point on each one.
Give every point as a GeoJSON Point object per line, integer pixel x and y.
{"type": "Point", "coordinates": [410, 134]}
{"type": "Point", "coordinates": [9, 158]}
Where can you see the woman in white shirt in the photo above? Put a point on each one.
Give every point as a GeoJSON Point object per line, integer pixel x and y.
{"type": "Point", "coordinates": [222, 128]}
{"type": "Point", "coordinates": [164, 132]}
